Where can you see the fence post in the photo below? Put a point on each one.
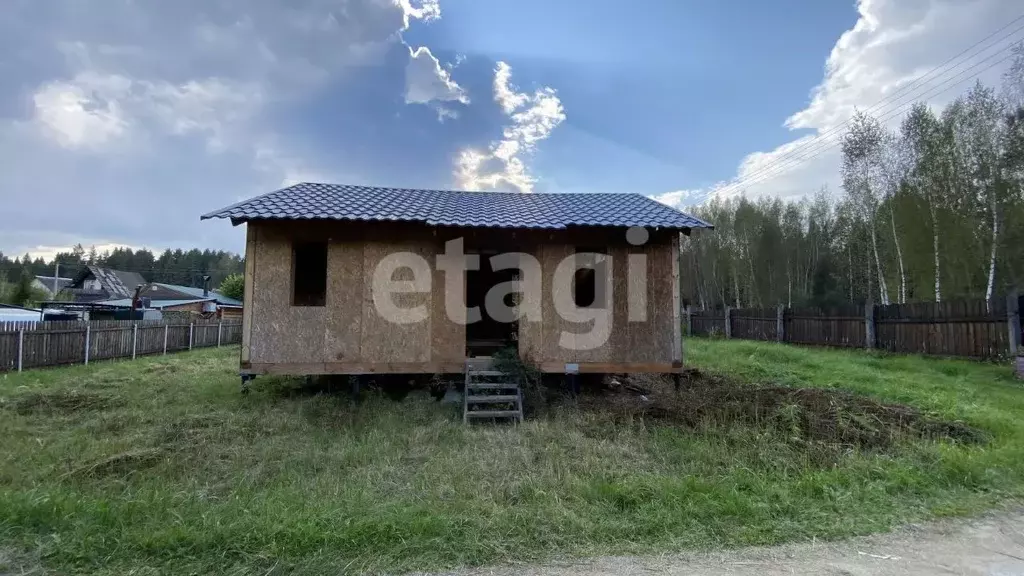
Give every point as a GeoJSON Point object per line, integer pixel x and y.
{"type": "Point", "coordinates": [165, 339]}
{"type": "Point", "coordinates": [219, 326]}
{"type": "Point", "coordinates": [88, 329]}
{"type": "Point", "coordinates": [689, 320]}
{"type": "Point", "coordinates": [779, 335]}
{"type": "Point", "coordinates": [135, 338]}
{"type": "Point", "coordinates": [728, 322]}
{"type": "Point", "coordinates": [1013, 321]}
{"type": "Point", "coordinates": [869, 324]}
{"type": "Point", "coordinates": [190, 329]}
{"type": "Point", "coordinates": [21, 346]}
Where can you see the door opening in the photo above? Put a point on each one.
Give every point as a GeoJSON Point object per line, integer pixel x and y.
{"type": "Point", "coordinates": [488, 335]}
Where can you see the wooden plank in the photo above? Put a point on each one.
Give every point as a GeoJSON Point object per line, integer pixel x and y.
{"type": "Point", "coordinates": [677, 337]}
{"type": "Point", "coordinates": [613, 367]}
{"type": "Point", "coordinates": [313, 368]}
{"type": "Point", "coordinates": [247, 301]}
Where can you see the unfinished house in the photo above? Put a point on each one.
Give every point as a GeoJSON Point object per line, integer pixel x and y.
{"type": "Point", "coordinates": [314, 252]}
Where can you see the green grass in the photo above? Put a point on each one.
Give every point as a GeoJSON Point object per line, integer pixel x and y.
{"type": "Point", "coordinates": [161, 466]}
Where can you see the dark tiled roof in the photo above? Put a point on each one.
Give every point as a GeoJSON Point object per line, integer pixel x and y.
{"type": "Point", "coordinates": [47, 281]}
{"type": "Point", "coordinates": [115, 283]}
{"type": "Point", "coordinates": [452, 208]}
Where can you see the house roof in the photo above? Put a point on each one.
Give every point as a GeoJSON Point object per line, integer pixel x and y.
{"type": "Point", "coordinates": [156, 304]}
{"type": "Point", "coordinates": [16, 307]}
{"type": "Point", "coordinates": [115, 283]}
{"type": "Point", "coordinates": [453, 208]}
{"type": "Point", "coordinates": [18, 315]}
{"type": "Point", "coordinates": [47, 281]}
{"type": "Point", "coordinates": [198, 293]}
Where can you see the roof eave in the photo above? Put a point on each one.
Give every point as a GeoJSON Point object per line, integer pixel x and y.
{"type": "Point", "coordinates": [236, 220]}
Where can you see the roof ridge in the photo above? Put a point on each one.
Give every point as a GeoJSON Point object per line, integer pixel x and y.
{"type": "Point", "coordinates": [437, 190]}
{"type": "Point", "coordinates": [544, 210]}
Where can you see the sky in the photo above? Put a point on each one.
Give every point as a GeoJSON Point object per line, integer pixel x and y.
{"type": "Point", "coordinates": [122, 121]}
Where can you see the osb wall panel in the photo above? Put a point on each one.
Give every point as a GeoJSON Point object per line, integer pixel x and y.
{"type": "Point", "coordinates": [281, 332]}
{"type": "Point", "coordinates": [343, 328]}
{"type": "Point", "coordinates": [656, 340]}
{"type": "Point", "coordinates": [349, 329]}
{"type": "Point", "coordinates": [386, 341]}
{"type": "Point", "coordinates": [605, 352]}
{"type": "Point", "coordinates": [629, 342]}
{"type": "Point", "coordinates": [552, 323]}
{"type": "Point", "coordinates": [447, 338]}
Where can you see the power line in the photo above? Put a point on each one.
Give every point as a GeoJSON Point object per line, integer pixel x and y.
{"type": "Point", "coordinates": [898, 95]}
{"type": "Point", "coordinates": [777, 168]}
{"type": "Point", "coordinates": [802, 150]}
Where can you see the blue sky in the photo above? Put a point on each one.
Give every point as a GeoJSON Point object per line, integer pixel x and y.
{"type": "Point", "coordinates": [121, 121]}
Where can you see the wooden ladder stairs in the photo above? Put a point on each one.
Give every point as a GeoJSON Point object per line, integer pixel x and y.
{"type": "Point", "coordinates": [490, 393]}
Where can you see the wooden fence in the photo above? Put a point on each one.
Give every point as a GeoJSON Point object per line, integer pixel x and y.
{"type": "Point", "coordinates": [969, 328]}
{"type": "Point", "coordinates": [36, 344]}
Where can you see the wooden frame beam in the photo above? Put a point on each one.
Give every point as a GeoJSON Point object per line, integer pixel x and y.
{"type": "Point", "coordinates": [321, 368]}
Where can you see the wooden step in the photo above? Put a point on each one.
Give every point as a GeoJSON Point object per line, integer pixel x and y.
{"type": "Point", "coordinates": [493, 414]}
{"type": "Point", "coordinates": [485, 373]}
{"type": "Point", "coordinates": [482, 399]}
{"type": "Point", "coordinates": [491, 386]}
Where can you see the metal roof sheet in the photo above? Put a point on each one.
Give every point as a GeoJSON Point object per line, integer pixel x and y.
{"type": "Point", "coordinates": [454, 208]}
{"type": "Point", "coordinates": [198, 293]}
{"type": "Point", "coordinates": [155, 304]}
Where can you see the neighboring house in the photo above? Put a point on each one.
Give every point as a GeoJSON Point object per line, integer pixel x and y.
{"type": "Point", "coordinates": [194, 305]}
{"type": "Point", "coordinates": [12, 313]}
{"type": "Point", "coordinates": [50, 285]}
{"type": "Point", "coordinates": [314, 251]}
{"type": "Point", "coordinates": [159, 292]}
{"type": "Point", "coordinates": [94, 284]}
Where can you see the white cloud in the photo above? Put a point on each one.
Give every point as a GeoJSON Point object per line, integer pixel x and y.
{"type": "Point", "coordinates": [532, 119]}
{"type": "Point", "coordinates": [446, 114]}
{"type": "Point", "coordinates": [893, 44]}
{"type": "Point", "coordinates": [504, 94]}
{"type": "Point", "coordinates": [93, 109]}
{"type": "Point", "coordinates": [425, 10]}
{"type": "Point", "coordinates": [82, 114]}
{"type": "Point", "coordinates": [426, 81]}
{"type": "Point", "coordinates": [678, 198]}
{"type": "Point", "coordinates": [48, 252]}
{"type": "Point", "coordinates": [141, 117]}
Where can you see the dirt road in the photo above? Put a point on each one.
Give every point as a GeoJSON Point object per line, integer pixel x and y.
{"type": "Point", "coordinates": [992, 545]}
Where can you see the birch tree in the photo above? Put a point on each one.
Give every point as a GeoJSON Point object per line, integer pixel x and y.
{"type": "Point", "coordinates": [921, 136]}
{"type": "Point", "coordinates": [863, 181]}
{"type": "Point", "coordinates": [893, 168]}
{"type": "Point", "coordinates": [981, 140]}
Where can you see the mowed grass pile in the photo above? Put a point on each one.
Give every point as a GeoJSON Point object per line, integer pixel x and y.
{"type": "Point", "coordinates": [160, 465]}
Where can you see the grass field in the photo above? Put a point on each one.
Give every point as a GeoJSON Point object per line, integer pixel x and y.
{"type": "Point", "coordinates": [160, 465]}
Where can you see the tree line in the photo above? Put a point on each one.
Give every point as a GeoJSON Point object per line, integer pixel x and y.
{"type": "Point", "coordinates": [929, 209]}
{"type": "Point", "coordinates": [183, 267]}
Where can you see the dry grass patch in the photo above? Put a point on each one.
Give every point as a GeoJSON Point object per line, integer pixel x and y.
{"type": "Point", "coordinates": [831, 417]}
